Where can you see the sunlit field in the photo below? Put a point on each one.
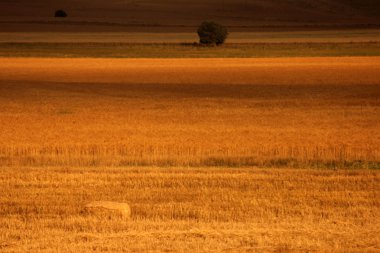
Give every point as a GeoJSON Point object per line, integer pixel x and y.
{"type": "Point", "coordinates": [212, 155]}
{"type": "Point", "coordinates": [189, 126]}
{"type": "Point", "coordinates": [190, 210]}
{"type": "Point", "coordinates": [217, 112]}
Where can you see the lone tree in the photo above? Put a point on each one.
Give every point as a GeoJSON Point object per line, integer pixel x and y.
{"type": "Point", "coordinates": [60, 14]}
{"type": "Point", "coordinates": [211, 33]}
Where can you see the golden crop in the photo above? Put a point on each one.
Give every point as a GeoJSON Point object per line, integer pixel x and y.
{"type": "Point", "coordinates": [75, 131]}
{"type": "Point", "coordinates": [302, 112]}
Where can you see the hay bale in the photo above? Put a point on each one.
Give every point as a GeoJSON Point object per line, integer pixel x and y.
{"type": "Point", "coordinates": [109, 207]}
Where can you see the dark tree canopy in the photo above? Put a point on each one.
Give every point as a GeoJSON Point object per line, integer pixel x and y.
{"type": "Point", "coordinates": [212, 33]}
{"type": "Point", "coordinates": [60, 14]}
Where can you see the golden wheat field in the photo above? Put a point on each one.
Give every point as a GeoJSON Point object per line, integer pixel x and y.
{"type": "Point", "coordinates": [210, 155]}
{"type": "Point", "coordinates": [313, 112]}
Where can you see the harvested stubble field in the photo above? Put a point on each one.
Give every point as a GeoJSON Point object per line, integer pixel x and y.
{"type": "Point", "coordinates": [190, 210]}
{"type": "Point", "coordinates": [75, 131]}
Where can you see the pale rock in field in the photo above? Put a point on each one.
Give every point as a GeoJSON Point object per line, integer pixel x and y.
{"type": "Point", "coordinates": [108, 206]}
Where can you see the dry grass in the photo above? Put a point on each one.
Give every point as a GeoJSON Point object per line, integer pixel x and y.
{"type": "Point", "coordinates": [304, 112]}
{"type": "Point", "coordinates": [64, 121]}
{"type": "Point", "coordinates": [190, 210]}
{"type": "Point", "coordinates": [109, 208]}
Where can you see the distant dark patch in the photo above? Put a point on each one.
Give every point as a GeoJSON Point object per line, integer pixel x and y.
{"type": "Point", "coordinates": [60, 14]}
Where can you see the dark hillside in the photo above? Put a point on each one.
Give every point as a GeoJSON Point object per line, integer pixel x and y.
{"type": "Point", "coordinates": [243, 13]}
